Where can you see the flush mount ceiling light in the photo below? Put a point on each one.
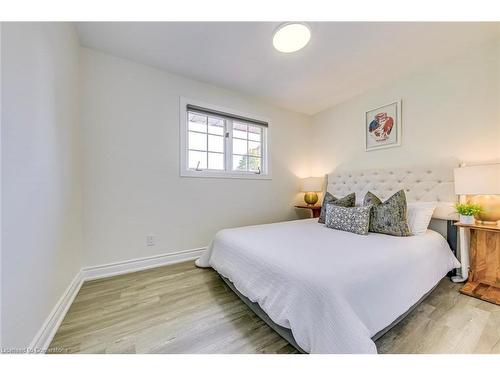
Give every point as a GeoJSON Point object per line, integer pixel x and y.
{"type": "Point", "coordinates": [291, 37]}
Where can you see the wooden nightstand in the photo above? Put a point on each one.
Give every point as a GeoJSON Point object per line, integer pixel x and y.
{"type": "Point", "coordinates": [316, 210]}
{"type": "Point", "coordinates": [484, 273]}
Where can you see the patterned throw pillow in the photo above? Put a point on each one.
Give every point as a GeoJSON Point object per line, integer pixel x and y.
{"type": "Point", "coordinates": [349, 219]}
{"type": "Point", "coordinates": [388, 217]}
{"type": "Point", "coordinates": [347, 201]}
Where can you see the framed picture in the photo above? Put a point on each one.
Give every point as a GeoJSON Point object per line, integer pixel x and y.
{"type": "Point", "coordinates": [383, 126]}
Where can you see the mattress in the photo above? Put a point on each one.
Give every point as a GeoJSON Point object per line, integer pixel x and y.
{"type": "Point", "coordinates": [334, 290]}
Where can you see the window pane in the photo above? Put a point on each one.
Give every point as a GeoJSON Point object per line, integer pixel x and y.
{"type": "Point", "coordinates": [239, 130]}
{"type": "Point", "coordinates": [197, 122]}
{"type": "Point", "coordinates": [254, 129]}
{"type": "Point", "coordinates": [254, 148]}
{"type": "Point", "coordinates": [197, 141]}
{"type": "Point", "coordinates": [254, 137]}
{"type": "Point", "coordinates": [239, 163]}
{"type": "Point", "coordinates": [240, 126]}
{"type": "Point", "coordinates": [239, 134]}
{"type": "Point", "coordinates": [239, 146]}
{"type": "Point", "coordinates": [215, 161]}
{"type": "Point", "coordinates": [215, 126]}
{"type": "Point", "coordinates": [254, 164]}
{"type": "Point", "coordinates": [215, 143]}
{"type": "Point", "coordinates": [197, 156]}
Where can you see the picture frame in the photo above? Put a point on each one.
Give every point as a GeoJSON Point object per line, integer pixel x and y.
{"type": "Point", "coordinates": [383, 126]}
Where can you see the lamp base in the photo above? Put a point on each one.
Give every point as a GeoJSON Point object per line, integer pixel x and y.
{"type": "Point", "coordinates": [491, 208]}
{"type": "Point", "coordinates": [311, 198]}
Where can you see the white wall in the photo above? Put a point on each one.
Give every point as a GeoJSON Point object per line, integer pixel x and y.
{"type": "Point", "coordinates": [130, 120]}
{"type": "Point", "coordinates": [41, 174]}
{"type": "Point", "coordinates": [450, 114]}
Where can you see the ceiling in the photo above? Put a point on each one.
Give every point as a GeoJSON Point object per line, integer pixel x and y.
{"type": "Point", "coordinates": [343, 59]}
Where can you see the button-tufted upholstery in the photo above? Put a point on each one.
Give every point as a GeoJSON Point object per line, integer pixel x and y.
{"type": "Point", "coordinates": [419, 184]}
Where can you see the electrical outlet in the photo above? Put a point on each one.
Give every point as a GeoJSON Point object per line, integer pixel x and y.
{"type": "Point", "coordinates": [150, 240]}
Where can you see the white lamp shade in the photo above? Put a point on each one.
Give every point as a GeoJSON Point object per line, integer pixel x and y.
{"type": "Point", "coordinates": [477, 180]}
{"type": "Point", "coordinates": [312, 184]}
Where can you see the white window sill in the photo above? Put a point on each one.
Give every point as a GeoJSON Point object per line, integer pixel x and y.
{"type": "Point", "coordinates": [211, 174]}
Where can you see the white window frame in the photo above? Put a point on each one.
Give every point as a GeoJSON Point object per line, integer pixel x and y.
{"type": "Point", "coordinates": [185, 171]}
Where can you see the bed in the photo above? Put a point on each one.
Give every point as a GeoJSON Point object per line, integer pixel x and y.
{"type": "Point", "coordinates": [329, 291]}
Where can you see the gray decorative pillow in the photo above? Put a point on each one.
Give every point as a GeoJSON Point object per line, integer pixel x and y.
{"type": "Point", "coordinates": [349, 219]}
{"type": "Point", "coordinates": [347, 201]}
{"type": "Point", "coordinates": [388, 217]}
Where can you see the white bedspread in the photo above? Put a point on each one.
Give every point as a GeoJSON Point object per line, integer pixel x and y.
{"type": "Point", "coordinates": [333, 289]}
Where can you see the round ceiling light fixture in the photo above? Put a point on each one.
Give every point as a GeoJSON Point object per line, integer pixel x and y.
{"type": "Point", "coordinates": [291, 37]}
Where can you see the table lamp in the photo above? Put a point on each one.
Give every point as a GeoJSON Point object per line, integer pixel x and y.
{"type": "Point", "coordinates": [310, 186]}
{"type": "Point", "coordinates": [481, 183]}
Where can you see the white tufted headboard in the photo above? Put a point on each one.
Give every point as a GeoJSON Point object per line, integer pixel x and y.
{"type": "Point", "coordinates": [420, 184]}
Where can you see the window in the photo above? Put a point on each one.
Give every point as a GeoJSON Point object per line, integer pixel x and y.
{"type": "Point", "coordinates": [247, 147]}
{"type": "Point", "coordinates": [217, 142]}
{"type": "Point", "coordinates": [205, 142]}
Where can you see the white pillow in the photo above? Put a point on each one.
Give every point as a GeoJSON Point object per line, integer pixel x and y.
{"type": "Point", "coordinates": [419, 215]}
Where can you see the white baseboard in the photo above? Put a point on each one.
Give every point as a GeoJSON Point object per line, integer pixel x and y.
{"type": "Point", "coordinates": [44, 337]}
{"type": "Point", "coordinates": [139, 264]}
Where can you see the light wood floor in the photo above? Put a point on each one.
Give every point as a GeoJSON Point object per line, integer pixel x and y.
{"type": "Point", "coordinates": [446, 322]}
{"type": "Point", "coordinates": [184, 309]}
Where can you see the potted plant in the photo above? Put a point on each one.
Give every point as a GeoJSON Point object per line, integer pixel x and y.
{"type": "Point", "coordinates": [467, 212]}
